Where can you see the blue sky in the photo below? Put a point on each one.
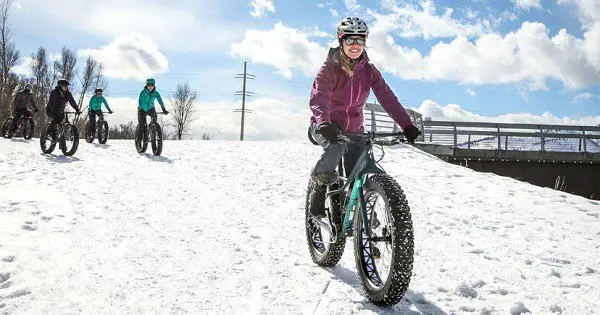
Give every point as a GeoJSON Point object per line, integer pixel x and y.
{"type": "Point", "coordinates": [523, 60]}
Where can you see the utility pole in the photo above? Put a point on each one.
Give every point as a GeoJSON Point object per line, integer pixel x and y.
{"type": "Point", "coordinates": [243, 93]}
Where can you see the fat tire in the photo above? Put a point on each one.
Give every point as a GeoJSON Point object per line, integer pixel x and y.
{"type": "Point", "coordinates": [395, 286]}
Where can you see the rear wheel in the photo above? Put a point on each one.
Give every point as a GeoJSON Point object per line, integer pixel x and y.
{"type": "Point", "coordinates": [102, 132]}
{"type": "Point", "coordinates": [69, 141]}
{"type": "Point", "coordinates": [384, 260]}
{"type": "Point", "coordinates": [47, 141]}
{"type": "Point", "coordinates": [89, 133]}
{"type": "Point", "coordinates": [28, 127]}
{"type": "Point", "coordinates": [141, 143]}
{"type": "Point", "coordinates": [156, 139]}
{"type": "Point", "coordinates": [325, 249]}
{"type": "Point", "coordinates": [6, 128]}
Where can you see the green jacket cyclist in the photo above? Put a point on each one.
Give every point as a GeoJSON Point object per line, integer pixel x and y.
{"type": "Point", "coordinates": [95, 108]}
{"type": "Point", "coordinates": [146, 103]}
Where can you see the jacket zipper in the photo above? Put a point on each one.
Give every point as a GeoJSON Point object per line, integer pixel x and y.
{"type": "Point", "coordinates": [351, 101]}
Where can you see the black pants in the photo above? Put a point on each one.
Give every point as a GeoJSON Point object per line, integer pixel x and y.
{"type": "Point", "coordinates": [57, 118]}
{"type": "Point", "coordinates": [92, 117]}
{"type": "Point", "coordinates": [142, 117]}
{"type": "Point", "coordinates": [18, 114]}
{"type": "Point", "coordinates": [334, 151]}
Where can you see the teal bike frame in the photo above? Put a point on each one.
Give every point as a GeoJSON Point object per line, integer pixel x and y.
{"type": "Point", "coordinates": [365, 166]}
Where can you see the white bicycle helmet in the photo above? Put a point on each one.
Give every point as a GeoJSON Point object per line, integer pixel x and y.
{"type": "Point", "coordinates": [352, 26]}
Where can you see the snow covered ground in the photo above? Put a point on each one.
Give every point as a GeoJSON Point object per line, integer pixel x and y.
{"type": "Point", "coordinates": [217, 227]}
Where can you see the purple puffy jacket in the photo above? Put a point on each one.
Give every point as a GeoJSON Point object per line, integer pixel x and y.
{"type": "Point", "coordinates": [337, 98]}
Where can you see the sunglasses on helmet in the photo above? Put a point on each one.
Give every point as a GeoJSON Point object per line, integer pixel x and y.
{"type": "Point", "coordinates": [359, 40]}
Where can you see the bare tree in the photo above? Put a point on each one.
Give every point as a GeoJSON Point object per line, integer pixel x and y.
{"type": "Point", "coordinates": [91, 78]}
{"type": "Point", "coordinates": [65, 67]}
{"type": "Point", "coordinates": [207, 136]}
{"type": "Point", "coordinates": [9, 55]}
{"type": "Point", "coordinates": [183, 103]}
{"type": "Point", "coordinates": [123, 131]}
{"type": "Point", "coordinates": [42, 83]}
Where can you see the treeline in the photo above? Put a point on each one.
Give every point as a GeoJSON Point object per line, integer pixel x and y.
{"type": "Point", "coordinates": [84, 78]}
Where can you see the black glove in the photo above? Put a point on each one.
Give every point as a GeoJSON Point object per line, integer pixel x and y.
{"type": "Point", "coordinates": [329, 131]}
{"type": "Point", "coordinates": [166, 112]}
{"type": "Point", "coordinates": [411, 132]}
{"type": "Point", "coordinates": [110, 111]}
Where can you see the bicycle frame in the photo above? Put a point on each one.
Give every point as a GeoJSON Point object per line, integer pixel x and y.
{"type": "Point", "coordinates": [364, 166]}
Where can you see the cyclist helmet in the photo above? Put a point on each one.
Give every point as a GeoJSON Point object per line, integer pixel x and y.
{"type": "Point", "coordinates": [63, 82]}
{"type": "Point", "coordinates": [352, 26]}
{"type": "Point", "coordinates": [98, 90]}
{"type": "Point", "coordinates": [27, 87]}
{"type": "Point", "coordinates": [150, 82]}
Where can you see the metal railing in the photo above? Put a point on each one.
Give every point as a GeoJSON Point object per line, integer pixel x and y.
{"type": "Point", "coordinates": [512, 136]}
{"type": "Point", "coordinates": [377, 119]}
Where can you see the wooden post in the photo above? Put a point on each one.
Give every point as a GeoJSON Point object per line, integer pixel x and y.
{"type": "Point", "coordinates": [584, 142]}
{"type": "Point", "coordinates": [243, 104]}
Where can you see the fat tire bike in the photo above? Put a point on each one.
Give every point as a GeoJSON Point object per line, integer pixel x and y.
{"type": "Point", "coordinates": [65, 134]}
{"type": "Point", "coordinates": [101, 130]}
{"type": "Point", "coordinates": [25, 125]}
{"type": "Point", "coordinates": [369, 205]}
{"type": "Point", "coordinates": [153, 135]}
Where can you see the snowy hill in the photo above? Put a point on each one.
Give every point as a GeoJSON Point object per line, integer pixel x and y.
{"type": "Point", "coordinates": [218, 228]}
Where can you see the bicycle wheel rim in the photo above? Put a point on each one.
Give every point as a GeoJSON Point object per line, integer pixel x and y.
{"type": "Point", "coordinates": [377, 256]}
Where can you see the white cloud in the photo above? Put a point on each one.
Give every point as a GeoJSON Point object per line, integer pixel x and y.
{"type": "Point", "coordinates": [453, 112]}
{"type": "Point", "coordinates": [528, 4]}
{"type": "Point", "coordinates": [334, 13]}
{"type": "Point", "coordinates": [24, 68]}
{"type": "Point", "coordinates": [169, 23]}
{"type": "Point", "coordinates": [470, 92]}
{"type": "Point", "coordinates": [584, 98]}
{"type": "Point", "coordinates": [260, 7]}
{"type": "Point", "coordinates": [526, 55]}
{"type": "Point", "coordinates": [589, 10]}
{"type": "Point", "coordinates": [134, 56]}
{"type": "Point", "coordinates": [410, 21]}
{"type": "Point", "coordinates": [282, 47]}
{"type": "Point", "coordinates": [352, 5]}
{"type": "Point", "coordinates": [315, 32]}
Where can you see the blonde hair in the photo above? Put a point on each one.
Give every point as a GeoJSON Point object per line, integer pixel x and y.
{"type": "Point", "coordinates": [347, 63]}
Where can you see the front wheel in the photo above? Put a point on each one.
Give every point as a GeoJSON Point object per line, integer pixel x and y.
{"type": "Point", "coordinates": [325, 248]}
{"type": "Point", "coordinates": [69, 140]}
{"type": "Point", "coordinates": [385, 258]}
{"type": "Point", "coordinates": [141, 143]}
{"type": "Point", "coordinates": [102, 132]}
{"type": "Point", "coordinates": [156, 139]}
{"type": "Point", "coordinates": [28, 127]}
{"type": "Point", "coordinates": [89, 133]}
{"type": "Point", "coordinates": [6, 128]}
{"type": "Point", "coordinates": [47, 140]}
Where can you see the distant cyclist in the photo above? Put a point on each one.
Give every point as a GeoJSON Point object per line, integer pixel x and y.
{"type": "Point", "coordinates": [146, 103]}
{"type": "Point", "coordinates": [95, 108]}
{"type": "Point", "coordinates": [59, 97]}
{"type": "Point", "coordinates": [22, 98]}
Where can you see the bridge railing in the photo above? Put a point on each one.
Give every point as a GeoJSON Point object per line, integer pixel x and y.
{"type": "Point", "coordinates": [377, 119]}
{"type": "Point", "coordinates": [513, 136]}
